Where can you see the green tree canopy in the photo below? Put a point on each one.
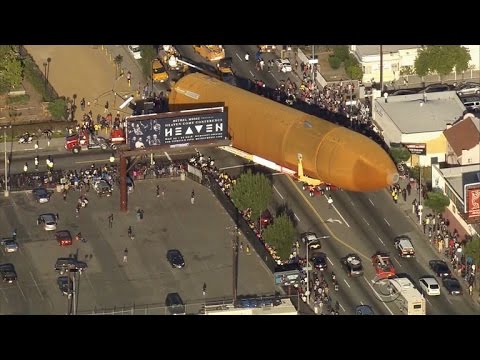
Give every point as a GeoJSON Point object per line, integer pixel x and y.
{"type": "Point", "coordinates": [353, 68]}
{"type": "Point", "coordinates": [281, 236]}
{"type": "Point", "coordinates": [252, 191]}
{"type": "Point", "coordinates": [11, 68]}
{"type": "Point", "coordinates": [441, 59]}
{"type": "Point", "coordinates": [400, 153]}
{"type": "Point", "coordinates": [473, 250]}
{"type": "Point", "coordinates": [341, 52]}
{"type": "Point", "coordinates": [437, 201]}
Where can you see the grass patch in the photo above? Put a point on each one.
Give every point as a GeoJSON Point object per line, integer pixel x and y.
{"type": "Point", "coordinates": [20, 99]}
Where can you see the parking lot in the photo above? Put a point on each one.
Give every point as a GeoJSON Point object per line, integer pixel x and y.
{"type": "Point", "coordinates": [200, 231]}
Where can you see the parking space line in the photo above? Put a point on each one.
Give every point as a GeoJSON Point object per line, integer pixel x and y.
{"type": "Point", "coordinates": [296, 217]}
{"type": "Point", "coordinates": [278, 192]}
{"type": "Point", "coordinates": [346, 282]}
{"type": "Point", "coordinates": [330, 261]}
{"type": "Point", "coordinates": [36, 285]}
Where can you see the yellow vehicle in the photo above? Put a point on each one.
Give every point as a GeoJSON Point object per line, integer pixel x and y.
{"type": "Point", "coordinates": [266, 48]}
{"type": "Point", "coordinates": [224, 68]}
{"type": "Point", "coordinates": [159, 73]}
{"type": "Point", "coordinates": [210, 52]}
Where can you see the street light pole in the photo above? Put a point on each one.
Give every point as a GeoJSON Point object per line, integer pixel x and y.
{"type": "Point", "coordinates": [45, 85]}
{"type": "Point", "coordinates": [420, 206]}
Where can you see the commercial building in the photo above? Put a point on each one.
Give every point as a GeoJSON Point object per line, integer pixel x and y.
{"type": "Point", "coordinates": [418, 121]}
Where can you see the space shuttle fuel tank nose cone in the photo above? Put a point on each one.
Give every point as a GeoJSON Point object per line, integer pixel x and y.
{"type": "Point", "coordinates": [373, 176]}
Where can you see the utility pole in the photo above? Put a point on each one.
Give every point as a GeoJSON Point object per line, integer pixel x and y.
{"type": "Point", "coordinates": [381, 70]}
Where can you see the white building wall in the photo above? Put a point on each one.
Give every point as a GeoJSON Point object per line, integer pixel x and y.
{"type": "Point", "coordinates": [408, 56]}
{"type": "Point", "coordinates": [471, 156]}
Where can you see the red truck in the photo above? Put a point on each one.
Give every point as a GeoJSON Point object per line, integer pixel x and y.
{"type": "Point", "coordinates": [85, 140]}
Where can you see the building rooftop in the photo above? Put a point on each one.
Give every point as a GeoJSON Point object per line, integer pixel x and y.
{"type": "Point", "coordinates": [463, 135]}
{"type": "Point", "coordinates": [411, 114]}
{"type": "Point", "coordinates": [459, 176]}
{"type": "Point", "coordinates": [366, 50]}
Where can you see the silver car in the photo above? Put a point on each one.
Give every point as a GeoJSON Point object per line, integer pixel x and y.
{"type": "Point", "coordinates": [9, 245]}
{"type": "Point", "coordinates": [49, 221]}
{"type": "Point", "coordinates": [468, 88]}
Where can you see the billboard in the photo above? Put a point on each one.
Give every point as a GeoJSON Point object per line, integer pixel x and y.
{"type": "Point", "coordinates": [174, 128]}
{"type": "Point", "coordinates": [472, 201]}
{"type": "Point", "coordinates": [417, 149]}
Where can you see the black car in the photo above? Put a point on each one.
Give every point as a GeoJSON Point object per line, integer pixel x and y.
{"type": "Point", "coordinates": [8, 273]}
{"type": "Point", "coordinates": [65, 285]}
{"type": "Point", "coordinates": [41, 195]}
{"type": "Point", "coordinates": [452, 285]}
{"type": "Point", "coordinates": [62, 265]}
{"type": "Point", "coordinates": [435, 88]}
{"type": "Point", "coordinates": [319, 260]}
{"type": "Point", "coordinates": [403, 92]}
{"type": "Point", "coordinates": [352, 264]}
{"type": "Point", "coordinates": [440, 268]}
{"type": "Point", "coordinates": [175, 258]}
{"type": "Point", "coordinates": [174, 304]}
{"type": "Point", "coordinates": [364, 310]}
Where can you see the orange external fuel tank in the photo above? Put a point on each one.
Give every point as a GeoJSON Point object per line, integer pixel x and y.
{"type": "Point", "coordinates": [280, 134]}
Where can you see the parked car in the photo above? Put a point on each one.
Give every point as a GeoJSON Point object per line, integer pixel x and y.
{"type": "Point", "coordinates": [65, 285]}
{"type": "Point", "coordinates": [8, 273]}
{"type": "Point", "coordinates": [48, 220]}
{"type": "Point", "coordinates": [175, 258]}
{"type": "Point", "coordinates": [63, 265]}
{"type": "Point", "coordinates": [435, 88]}
{"type": "Point", "coordinates": [9, 245]}
{"type": "Point", "coordinates": [468, 88]}
{"type": "Point", "coordinates": [352, 264]}
{"type": "Point", "coordinates": [403, 92]}
{"type": "Point", "coordinates": [283, 65]}
{"type": "Point", "coordinates": [452, 285]}
{"type": "Point", "coordinates": [41, 195]}
{"type": "Point", "coordinates": [64, 238]}
{"type": "Point", "coordinates": [135, 51]}
{"type": "Point", "coordinates": [429, 286]}
{"type": "Point", "coordinates": [440, 268]}
{"type": "Point", "coordinates": [174, 304]}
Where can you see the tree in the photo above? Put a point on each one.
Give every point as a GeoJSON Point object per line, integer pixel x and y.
{"type": "Point", "coordinates": [11, 68]}
{"type": "Point", "coordinates": [341, 52]}
{"type": "Point", "coordinates": [281, 236]}
{"type": "Point", "coordinates": [353, 68]}
{"type": "Point", "coordinates": [252, 191]}
{"type": "Point", "coordinates": [400, 154]}
{"type": "Point", "coordinates": [473, 250]}
{"type": "Point", "coordinates": [437, 201]}
{"type": "Point", "coordinates": [58, 109]}
{"type": "Point", "coordinates": [441, 59]}
{"type": "Point", "coordinates": [334, 62]}
{"type": "Point", "coordinates": [118, 62]}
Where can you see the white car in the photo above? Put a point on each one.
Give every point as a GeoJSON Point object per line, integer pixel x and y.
{"type": "Point", "coordinates": [9, 245]}
{"type": "Point", "coordinates": [430, 286]}
{"type": "Point", "coordinates": [135, 51]}
{"type": "Point", "coordinates": [283, 65]}
{"type": "Point", "coordinates": [49, 221]}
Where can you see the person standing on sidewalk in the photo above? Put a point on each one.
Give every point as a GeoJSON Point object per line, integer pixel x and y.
{"type": "Point", "coordinates": [125, 256]}
{"type": "Point", "coordinates": [192, 197]}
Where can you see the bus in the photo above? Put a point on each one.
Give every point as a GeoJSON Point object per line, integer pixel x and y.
{"type": "Point", "coordinates": [408, 299]}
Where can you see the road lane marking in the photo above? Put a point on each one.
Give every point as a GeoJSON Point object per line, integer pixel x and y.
{"type": "Point", "coordinates": [239, 58]}
{"type": "Point", "coordinates": [361, 303]}
{"type": "Point", "coordinates": [252, 73]}
{"type": "Point", "coordinates": [365, 221]}
{"type": "Point", "coordinates": [378, 296]}
{"type": "Point", "coordinates": [21, 291]}
{"type": "Point", "coordinates": [168, 156]}
{"type": "Point", "coordinates": [92, 161]}
{"type": "Point", "coordinates": [346, 282]}
{"type": "Point", "coordinates": [296, 217]}
{"type": "Point", "coordinates": [330, 261]}
{"type": "Point", "coordinates": [278, 192]}
{"type": "Point", "coordinates": [428, 301]}
{"type": "Point", "coordinates": [448, 300]}
{"type": "Point", "coordinates": [371, 202]}
{"type": "Point", "coordinates": [332, 235]}
{"type": "Point", "coordinates": [36, 285]}
{"type": "Point", "coordinates": [273, 76]}
{"type": "Point", "coordinates": [342, 307]}
{"type": "Point", "coordinates": [386, 221]}
{"type": "Point", "coordinates": [351, 202]}
{"type": "Point", "coordinates": [338, 212]}
{"type": "Point", "coordinates": [5, 296]}
{"type": "Point", "coordinates": [381, 240]}
{"type": "Point", "coordinates": [398, 262]}
{"type": "Point", "coordinates": [91, 285]}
